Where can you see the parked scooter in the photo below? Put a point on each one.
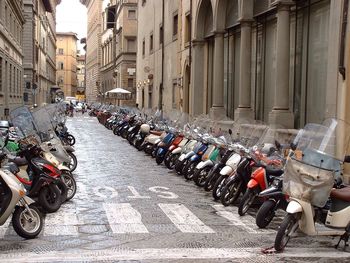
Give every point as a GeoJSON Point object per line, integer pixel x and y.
{"type": "Point", "coordinates": [27, 220]}
{"type": "Point", "coordinates": [309, 180]}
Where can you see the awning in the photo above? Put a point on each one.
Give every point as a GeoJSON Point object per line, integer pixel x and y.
{"type": "Point", "coordinates": [118, 91]}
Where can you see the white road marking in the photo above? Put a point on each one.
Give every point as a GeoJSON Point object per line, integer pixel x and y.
{"type": "Point", "coordinates": [136, 195]}
{"type": "Point", "coordinates": [184, 219]}
{"type": "Point", "coordinates": [62, 223]}
{"type": "Point", "coordinates": [79, 120]}
{"type": "Point", "coordinates": [135, 254]}
{"type": "Point", "coordinates": [162, 193]}
{"type": "Point", "coordinates": [246, 222]}
{"type": "Point", "coordinates": [171, 253]}
{"type": "Point", "coordinates": [123, 218]}
{"type": "Point", "coordinates": [4, 227]}
{"type": "Point", "coordinates": [98, 189]}
{"type": "Point", "coordinates": [90, 120]}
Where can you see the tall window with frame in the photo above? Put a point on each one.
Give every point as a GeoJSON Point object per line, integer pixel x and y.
{"type": "Point", "coordinates": [143, 47]}
{"type": "Point", "coordinates": [151, 42]}
{"type": "Point", "coordinates": [232, 46]}
{"type": "Point", "coordinates": [175, 25]}
{"type": "Point", "coordinates": [312, 103]}
{"type": "Point", "coordinates": [1, 73]}
{"type": "Point", "coordinates": [264, 64]}
{"type": "Point", "coordinates": [161, 35]}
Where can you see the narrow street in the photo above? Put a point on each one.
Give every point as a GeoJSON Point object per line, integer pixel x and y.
{"type": "Point", "coordinates": [128, 209]}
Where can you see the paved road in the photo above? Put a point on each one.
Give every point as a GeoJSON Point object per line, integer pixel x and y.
{"type": "Point", "coordinates": [128, 209]}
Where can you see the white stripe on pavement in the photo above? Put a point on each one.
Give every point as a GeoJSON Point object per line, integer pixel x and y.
{"type": "Point", "coordinates": [62, 223]}
{"type": "Point", "coordinates": [4, 227]}
{"type": "Point", "coordinates": [172, 253]}
{"type": "Point", "coordinates": [246, 222]}
{"type": "Point", "coordinates": [184, 219]}
{"type": "Point", "coordinates": [135, 254]}
{"type": "Point", "coordinates": [123, 218]}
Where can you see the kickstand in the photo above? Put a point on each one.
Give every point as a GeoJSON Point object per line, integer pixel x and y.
{"type": "Point", "coordinates": [345, 238]}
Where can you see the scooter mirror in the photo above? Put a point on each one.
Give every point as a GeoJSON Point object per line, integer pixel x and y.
{"type": "Point", "coordinates": [278, 145]}
{"type": "Point", "coordinates": [230, 131]}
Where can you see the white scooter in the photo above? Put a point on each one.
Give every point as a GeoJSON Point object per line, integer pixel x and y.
{"type": "Point", "coordinates": [309, 180]}
{"type": "Point", "coordinates": [27, 221]}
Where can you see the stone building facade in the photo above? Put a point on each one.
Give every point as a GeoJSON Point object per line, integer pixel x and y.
{"type": "Point", "coordinates": [66, 57]}
{"type": "Point", "coordinates": [271, 60]}
{"type": "Point", "coordinates": [39, 41]}
{"type": "Point", "coordinates": [81, 77]}
{"type": "Point", "coordinates": [158, 51]}
{"type": "Point", "coordinates": [119, 41]}
{"type": "Point", "coordinates": [93, 52]}
{"type": "Point", "coordinates": [11, 55]}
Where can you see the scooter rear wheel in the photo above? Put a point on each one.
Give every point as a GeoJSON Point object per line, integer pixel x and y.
{"type": "Point", "coordinates": [50, 198]}
{"type": "Point", "coordinates": [73, 162]}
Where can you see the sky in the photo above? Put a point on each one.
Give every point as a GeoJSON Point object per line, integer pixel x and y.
{"type": "Point", "coordinates": [72, 17]}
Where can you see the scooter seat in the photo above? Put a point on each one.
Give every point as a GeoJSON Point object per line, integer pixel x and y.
{"type": "Point", "coordinates": [158, 133]}
{"type": "Point", "coordinates": [274, 172]}
{"type": "Point", "coordinates": [19, 161]}
{"type": "Point", "coordinates": [341, 194]}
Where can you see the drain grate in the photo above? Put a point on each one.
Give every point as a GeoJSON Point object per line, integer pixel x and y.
{"type": "Point", "coordinates": [9, 247]}
{"type": "Point", "coordinates": [192, 244]}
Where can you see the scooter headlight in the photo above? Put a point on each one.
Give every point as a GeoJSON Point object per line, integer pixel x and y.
{"type": "Point", "coordinates": [276, 182]}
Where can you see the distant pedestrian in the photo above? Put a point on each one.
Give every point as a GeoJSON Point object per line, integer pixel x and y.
{"type": "Point", "coordinates": [83, 108]}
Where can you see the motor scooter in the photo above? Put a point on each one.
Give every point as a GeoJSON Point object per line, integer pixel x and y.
{"type": "Point", "coordinates": [309, 183]}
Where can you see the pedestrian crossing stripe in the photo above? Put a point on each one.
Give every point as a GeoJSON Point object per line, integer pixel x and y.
{"type": "Point", "coordinates": [123, 218]}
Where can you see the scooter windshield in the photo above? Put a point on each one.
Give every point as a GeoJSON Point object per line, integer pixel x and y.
{"type": "Point", "coordinates": [23, 120]}
{"type": "Point", "coordinates": [320, 149]}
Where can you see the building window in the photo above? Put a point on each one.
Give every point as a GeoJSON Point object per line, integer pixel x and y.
{"type": "Point", "coordinates": [151, 43]}
{"type": "Point", "coordinates": [1, 74]}
{"type": "Point", "coordinates": [175, 25]}
{"type": "Point", "coordinates": [60, 51]}
{"type": "Point", "coordinates": [188, 28]}
{"type": "Point", "coordinates": [131, 14]}
{"type": "Point", "coordinates": [143, 2]}
{"type": "Point", "coordinates": [161, 35]}
{"type": "Point", "coordinates": [60, 66]}
{"type": "Point", "coordinates": [130, 83]}
{"type": "Point", "coordinates": [131, 45]}
{"type": "Point", "coordinates": [143, 47]}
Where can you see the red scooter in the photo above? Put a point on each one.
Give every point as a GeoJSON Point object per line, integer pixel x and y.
{"type": "Point", "coordinates": [260, 180]}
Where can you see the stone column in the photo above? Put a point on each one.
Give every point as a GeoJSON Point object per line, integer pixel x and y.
{"type": "Point", "coordinates": [281, 113]}
{"type": "Point", "coordinates": [218, 109]}
{"type": "Point", "coordinates": [244, 109]}
{"type": "Point", "coordinates": [197, 78]}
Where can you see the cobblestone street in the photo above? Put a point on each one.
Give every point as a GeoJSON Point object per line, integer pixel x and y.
{"type": "Point", "coordinates": [128, 209]}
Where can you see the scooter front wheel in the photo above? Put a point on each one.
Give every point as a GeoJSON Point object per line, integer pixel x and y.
{"type": "Point", "coordinates": [265, 213]}
{"type": "Point", "coordinates": [287, 228]}
{"type": "Point", "coordinates": [201, 176]}
{"type": "Point", "coordinates": [27, 223]}
{"type": "Point", "coordinates": [230, 192]}
{"type": "Point", "coordinates": [246, 202]}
